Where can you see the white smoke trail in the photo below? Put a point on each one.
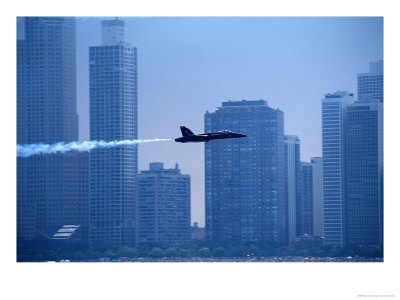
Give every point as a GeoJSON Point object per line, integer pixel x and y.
{"type": "Point", "coordinates": [32, 149]}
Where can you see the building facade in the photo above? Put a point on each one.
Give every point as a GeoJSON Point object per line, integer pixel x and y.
{"type": "Point", "coordinates": [47, 196]}
{"type": "Point", "coordinates": [333, 152]}
{"type": "Point", "coordinates": [353, 163]}
{"type": "Point", "coordinates": [364, 173]}
{"type": "Point", "coordinates": [307, 213]}
{"type": "Point", "coordinates": [163, 205]}
{"type": "Point", "coordinates": [317, 196]}
{"type": "Point", "coordinates": [370, 85]}
{"type": "Point", "coordinates": [198, 233]}
{"type": "Point", "coordinates": [245, 178]}
{"type": "Point", "coordinates": [113, 116]}
{"type": "Point", "coordinates": [293, 186]}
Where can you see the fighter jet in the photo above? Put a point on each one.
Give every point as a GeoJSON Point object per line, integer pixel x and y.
{"type": "Point", "coordinates": [189, 137]}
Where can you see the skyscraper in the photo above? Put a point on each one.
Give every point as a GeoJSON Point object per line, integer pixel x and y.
{"type": "Point", "coordinates": [163, 205]}
{"type": "Point", "coordinates": [245, 178]}
{"type": "Point", "coordinates": [318, 196]}
{"type": "Point", "coordinates": [47, 81]}
{"type": "Point", "coordinates": [364, 173]}
{"type": "Point", "coordinates": [293, 186]}
{"type": "Point", "coordinates": [307, 214]}
{"type": "Point", "coordinates": [46, 113]}
{"type": "Point", "coordinates": [370, 85]}
{"type": "Point", "coordinates": [333, 147]}
{"type": "Point", "coordinates": [113, 116]}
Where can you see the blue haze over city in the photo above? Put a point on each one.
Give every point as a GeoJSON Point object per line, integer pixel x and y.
{"type": "Point", "coordinates": [187, 66]}
{"type": "Point", "coordinates": [278, 80]}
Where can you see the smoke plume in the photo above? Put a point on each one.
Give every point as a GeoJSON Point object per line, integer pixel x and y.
{"type": "Point", "coordinates": [33, 149]}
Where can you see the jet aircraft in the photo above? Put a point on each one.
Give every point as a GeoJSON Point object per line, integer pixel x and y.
{"type": "Point", "coordinates": [189, 137]}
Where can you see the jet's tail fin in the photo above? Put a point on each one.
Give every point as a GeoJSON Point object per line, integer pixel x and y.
{"type": "Point", "coordinates": [186, 131]}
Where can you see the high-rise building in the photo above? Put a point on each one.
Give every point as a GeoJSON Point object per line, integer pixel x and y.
{"type": "Point", "coordinates": [46, 87]}
{"type": "Point", "coordinates": [245, 178]}
{"type": "Point", "coordinates": [82, 189]}
{"type": "Point", "coordinates": [293, 186]}
{"type": "Point", "coordinates": [306, 221]}
{"type": "Point", "coordinates": [317, 196]}
{"type": "Point", "coordinates": [370, 85]}
{"type": "Point", "coordinates": [163, 205]}
{"type": "Point", "coordinates": [113, 116]}
{"type": "Point", "coordinates": [333, 147]}
{"type": "Point", "coordinates": [312, 205]}
{"type": "Point", "coordinates": [47, 195]}
{"type": "Point", "coordinates": [198, 233]}
{"type": "Point", "coordinates": [364, 173]}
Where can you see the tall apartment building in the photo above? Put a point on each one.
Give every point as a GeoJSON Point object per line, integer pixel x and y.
{"type": "Point", "coordinates": [245, 178]}
{"type": "Point", "coordinates": [317, 196]}
{"type": "Point", "coordinates": [333, 152]}
{"type": "Point", "coordinates": [113, 116]}
{"type": "Point", "coordinates": [293, 186]}
{"type": "Point", "coordinates": [47, 196]}
{"type": "Point", "coordinates": [353, 163]}
{"type": "Point", "coordinates": [364, 160]}
{"type": "Point", "coordinates": [307, 213]}
{"type": "Point", "coordinates": [364, 173]}
{"type": "Point", "coordinates": [82, 189]}
{"type": "Point", "coordinates": [163, 205]}
{"type": "Point", "coordinates": [312, 204]}
{"type": "Point", "coordinates": [370, 85]}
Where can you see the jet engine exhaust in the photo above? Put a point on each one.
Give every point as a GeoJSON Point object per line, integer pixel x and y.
{"type": "Point", "coordinates": [34, 149]}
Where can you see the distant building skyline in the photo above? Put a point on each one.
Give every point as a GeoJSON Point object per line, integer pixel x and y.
{"type": "Point", "coordinates": [375, 68]}
{"type": "Point", "coordinates": [361, 42]}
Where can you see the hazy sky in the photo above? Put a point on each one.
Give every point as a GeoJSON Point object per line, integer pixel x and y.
{"type": "Point", "coordinates": [187, 66]}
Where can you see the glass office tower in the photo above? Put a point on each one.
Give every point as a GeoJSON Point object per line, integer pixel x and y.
{"type": "Point", "coordinates": [370, 85]}
{"type": "Point", "coordinates": [113, 116]}
{"type": "Point", "coordinates": [293, 186]}
{"type": "Point", "coordinates": [47, 193]}
{"type": "Point", "coordinates": [245, 178]}
{"type": "Point", "coordinates": [333, 152]}
{"type": "Point", "coordinates": [307, 214]}
{"type": "Point", "coordinates": [364, 174]}
{"type": "Point", "coordinates": [318, 196]}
